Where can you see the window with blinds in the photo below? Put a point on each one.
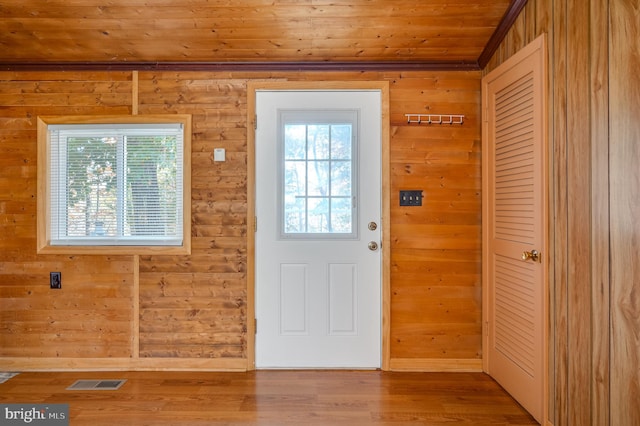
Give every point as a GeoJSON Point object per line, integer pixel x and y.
{"type": "Point", "coordinates": [116, 184]}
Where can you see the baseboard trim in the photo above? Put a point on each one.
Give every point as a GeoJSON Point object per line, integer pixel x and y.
{"type": "Point", "coordinates": [436, 365]}
{"type": "Point", "coordinates": [122, 364]}
{"type": "Point", "coordinates": [204, 364]}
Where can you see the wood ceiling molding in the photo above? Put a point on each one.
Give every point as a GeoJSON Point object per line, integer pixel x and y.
{"type": "Point", "coordinates": [501, 31]}
{"type": "Point", "coordinates": [241, 66]}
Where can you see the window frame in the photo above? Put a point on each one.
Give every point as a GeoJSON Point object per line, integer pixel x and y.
{"type": "Point", "coordinates": [44, 202]}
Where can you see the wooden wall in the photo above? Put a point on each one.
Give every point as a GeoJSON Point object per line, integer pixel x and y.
{"type": "Point", "coordinates": [435, 249]}
{"type": "Point", "coordinates": [141, 312]}
{"type": "Point", "coordinates": [195, 306]}
{"type": "Point", "coordinates": [623, 202]}
{"type": "Point", "coordinates": [595, 205]}
{"type": "Point", "coordinates": [92, 315]}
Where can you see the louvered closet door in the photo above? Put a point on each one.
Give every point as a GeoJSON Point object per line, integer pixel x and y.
{"type": "Point", "coordinates": [515, 224]}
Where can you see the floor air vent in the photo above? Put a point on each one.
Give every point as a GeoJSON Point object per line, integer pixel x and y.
{"type": "Point", "coordinates": [96, 385]}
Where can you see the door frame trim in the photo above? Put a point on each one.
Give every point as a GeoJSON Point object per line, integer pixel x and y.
{"type": "Point", "coordinates": [283, 85]}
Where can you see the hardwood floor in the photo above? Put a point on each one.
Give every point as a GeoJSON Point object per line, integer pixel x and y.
{"type": "Point", "coordinates": [275, 398]}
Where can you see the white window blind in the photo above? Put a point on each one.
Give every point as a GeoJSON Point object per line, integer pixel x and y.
{"type": "Point", "coordinates": [116, 184]}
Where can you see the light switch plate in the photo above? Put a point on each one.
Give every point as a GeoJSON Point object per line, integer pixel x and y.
{"type": "Point", "coordinates": [55, 280]}
{"type": "Point", "coordinates": [219, 154]}
{"type": "Point", "coordinates": [411, 198]}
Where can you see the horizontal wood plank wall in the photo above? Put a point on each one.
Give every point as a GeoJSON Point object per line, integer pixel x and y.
{"type": "Point", "coordinates": [593, 55]}
{"type": "Point", "coordinates": [435, 248]}
{"type": "Point", "coordinates": [90, 316]}
{"type": "Point", "coordinates": [194, 307]}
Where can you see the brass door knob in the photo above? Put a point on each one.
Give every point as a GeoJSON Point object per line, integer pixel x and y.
{"type": "Point", "coordinates": [373, 246]}
{"type": "Point", "coordinates": [533, 255]}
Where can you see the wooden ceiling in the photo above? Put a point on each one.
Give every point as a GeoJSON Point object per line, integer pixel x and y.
{"type": "Point", "coordinates": [445, 33]}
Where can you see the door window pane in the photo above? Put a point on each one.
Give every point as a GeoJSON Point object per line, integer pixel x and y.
{"type": "Point", "coordinates": [341, 214]}
{"type": "Point", "coordinates": [341, 178]}
{"type": "Point", "coordinates": [318, 178]}
{"type": "Point", "coordinates": [295, 142]}
{"type": "Point", "coordinates": [318, 142]}
{"type": "Point", "coordinates": [341, 145]}
{"type": "Point", "coordinates": [318, 215]}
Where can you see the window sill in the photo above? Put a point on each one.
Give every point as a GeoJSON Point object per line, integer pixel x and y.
{"type": "Point", "coordinates": [185, 249]}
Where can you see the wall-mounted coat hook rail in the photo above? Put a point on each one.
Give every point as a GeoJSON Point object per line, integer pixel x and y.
{"type": "Point", "coordinates": [435, 118]}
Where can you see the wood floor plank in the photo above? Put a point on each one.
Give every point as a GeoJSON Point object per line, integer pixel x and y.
{"type": "Point", "coordinates": [275, 398]}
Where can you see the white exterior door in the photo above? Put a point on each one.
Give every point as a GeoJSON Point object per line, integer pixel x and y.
{"type": "Point", "coordinates": [318, 210]}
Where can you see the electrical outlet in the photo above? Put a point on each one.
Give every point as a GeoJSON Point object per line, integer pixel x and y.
{"type": "Point", "coordinates": [411, 198]}
{"type": "Point", "coordinates": [55, 280]}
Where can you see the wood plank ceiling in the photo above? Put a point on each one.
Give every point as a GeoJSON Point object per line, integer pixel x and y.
{"type": "Point", "coordinates": [253, 33]}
